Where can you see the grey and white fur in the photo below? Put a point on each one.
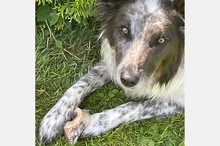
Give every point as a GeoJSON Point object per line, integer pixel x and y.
{"type": "Point", "coordinates": [143, 52]}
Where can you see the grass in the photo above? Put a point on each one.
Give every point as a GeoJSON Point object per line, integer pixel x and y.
{"type": "Point", "coordinates": [61, 59]}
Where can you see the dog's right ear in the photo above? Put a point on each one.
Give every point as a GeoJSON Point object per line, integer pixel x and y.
{"type": "Point", "coordinates": [108, 8]}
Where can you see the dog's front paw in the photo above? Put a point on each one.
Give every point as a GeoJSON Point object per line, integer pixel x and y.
{"type": "Point", "coordinates": [52, 125]}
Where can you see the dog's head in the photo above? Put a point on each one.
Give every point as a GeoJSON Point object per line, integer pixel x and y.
{"type": "Point", "coordinates": [148, 38]}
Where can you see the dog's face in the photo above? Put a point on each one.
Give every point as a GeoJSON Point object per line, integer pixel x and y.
{"type": "Point", "coordinates": [148, 38]}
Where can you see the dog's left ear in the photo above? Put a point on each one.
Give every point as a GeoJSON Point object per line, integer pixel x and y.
{"type": "Point", "coordinates": [179, 5]}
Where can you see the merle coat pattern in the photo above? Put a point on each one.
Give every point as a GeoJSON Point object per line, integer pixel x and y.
{"type": "Point", "coordinates": [143, 52]}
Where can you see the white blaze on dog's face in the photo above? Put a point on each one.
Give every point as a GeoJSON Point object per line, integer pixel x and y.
{"type": "Point", "coordinates": [147, 42]}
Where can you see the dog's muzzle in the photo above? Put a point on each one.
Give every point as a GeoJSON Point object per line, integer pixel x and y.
{"type": "Point", "coordinates": [129, 80]}
{"type": "Point", "coordinates": [129, 77]}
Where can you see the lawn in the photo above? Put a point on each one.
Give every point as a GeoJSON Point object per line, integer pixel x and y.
{"type": "Point", "coordinates": [61, 58]}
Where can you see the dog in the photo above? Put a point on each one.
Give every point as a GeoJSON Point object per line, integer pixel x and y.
{"type": "Point", "coordinates": [142, 48]}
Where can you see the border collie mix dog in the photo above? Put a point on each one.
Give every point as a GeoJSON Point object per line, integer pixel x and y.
{"type": "Point", "coordinates": [143, 52]}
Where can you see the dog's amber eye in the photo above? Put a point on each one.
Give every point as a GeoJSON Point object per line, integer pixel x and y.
{"type": "Point", "coordinates": [124, 30]}
{"type": "Point", "coordinates": [161, 40]}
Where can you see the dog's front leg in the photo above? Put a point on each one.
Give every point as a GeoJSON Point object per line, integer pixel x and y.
{"type": "Point", "coordinates": [54, 121]}
{"type": "Point", "coordinates": [127, 113]}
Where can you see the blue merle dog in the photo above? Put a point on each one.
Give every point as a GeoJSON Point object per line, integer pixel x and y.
{"type": "Point", "coordinates": [142, 47]}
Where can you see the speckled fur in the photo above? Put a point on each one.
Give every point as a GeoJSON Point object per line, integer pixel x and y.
{"type": "Point", "coordinates": [54, 121]}
{"type": "Point", "coordinates": [161, 96]}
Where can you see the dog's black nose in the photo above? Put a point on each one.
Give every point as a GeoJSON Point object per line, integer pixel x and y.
{"type": "Point", "coordinates": [129, 80]}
